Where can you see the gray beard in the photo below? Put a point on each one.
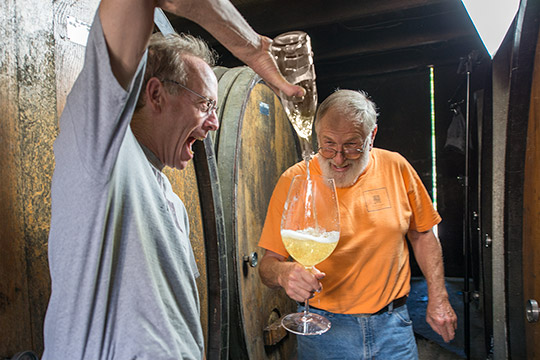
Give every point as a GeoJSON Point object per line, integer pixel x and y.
{"type": "Point", "coordinates": [349, 177]}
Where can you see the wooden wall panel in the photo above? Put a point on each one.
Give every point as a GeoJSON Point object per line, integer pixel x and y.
{"type": "Point", "coordinates": [14, 309]}
{"type": "Point", "coordinates": [28, 124]}
{"type": "Point", "coordinates": [531, 212]}
{"type": "Point", "coordinates": [39, 63]}
{"type": "Point", "coordinates": [37, 122]}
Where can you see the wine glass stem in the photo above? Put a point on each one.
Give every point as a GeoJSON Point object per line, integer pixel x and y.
{"type": "Point", "coordinates": [306, 303]}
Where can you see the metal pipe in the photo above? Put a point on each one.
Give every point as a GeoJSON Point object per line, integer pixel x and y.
{"type": "Point", "coordinates": [466, 237]}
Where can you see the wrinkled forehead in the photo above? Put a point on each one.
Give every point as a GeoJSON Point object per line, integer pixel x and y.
{"type": "Point", "coordinates": [201, 77]}
{"type": "Point", "coordinates": [336, 122]}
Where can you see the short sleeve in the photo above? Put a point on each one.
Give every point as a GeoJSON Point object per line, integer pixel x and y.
{"type": "Point", "coordinates": [424, 215]}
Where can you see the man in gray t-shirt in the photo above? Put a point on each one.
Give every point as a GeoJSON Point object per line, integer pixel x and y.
{"type": "Point", "coordinates": [122, 268]}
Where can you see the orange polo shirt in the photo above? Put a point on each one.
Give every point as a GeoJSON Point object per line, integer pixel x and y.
{"type": "Point", "coordinates": [370, 266]}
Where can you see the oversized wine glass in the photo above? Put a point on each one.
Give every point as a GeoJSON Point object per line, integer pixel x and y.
{"type": "Point", "coordinates": [310, 233]}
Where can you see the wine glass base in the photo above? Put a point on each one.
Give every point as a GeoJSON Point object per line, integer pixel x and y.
{"type": "Point", "coordinates": [306, 324]}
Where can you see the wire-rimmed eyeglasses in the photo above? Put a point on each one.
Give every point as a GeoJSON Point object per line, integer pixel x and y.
{"type": "Point", "coordinates": [348, 152]}
{"type": "Point", "coordinates": [209, 106]}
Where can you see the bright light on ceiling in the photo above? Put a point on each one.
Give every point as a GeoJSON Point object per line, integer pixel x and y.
{"type": "Point", "coordinates": [492, 18]}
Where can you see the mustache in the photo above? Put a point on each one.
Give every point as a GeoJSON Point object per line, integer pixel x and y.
{"type": "Point", "coordinates": [347, 162]}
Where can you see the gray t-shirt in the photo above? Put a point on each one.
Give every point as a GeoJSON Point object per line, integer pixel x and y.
{"type": "Point", "coordinates": [122, 268]}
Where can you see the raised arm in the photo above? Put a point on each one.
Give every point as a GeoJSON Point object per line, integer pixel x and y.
{"type": "Point", "coordinates": [127, 25]}
{"type": "Point", "coordinates": [221, 19]}
{"type": "Point", "coordinates": [439, 314]}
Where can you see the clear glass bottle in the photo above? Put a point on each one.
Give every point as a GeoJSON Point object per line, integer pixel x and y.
{"type": "Point", "coordinates": [294, 57]}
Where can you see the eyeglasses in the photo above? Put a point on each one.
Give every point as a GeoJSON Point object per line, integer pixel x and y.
{"type": "Point", "coordinates": [348, 152]}
{"type": "Point", "coordinates": [210, 104]}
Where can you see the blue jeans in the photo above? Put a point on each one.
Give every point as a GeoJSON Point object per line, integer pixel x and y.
{"type": "Point", "coordinates": [386, 336]}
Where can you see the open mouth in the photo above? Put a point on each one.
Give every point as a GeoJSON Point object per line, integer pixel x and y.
{"type": "Point", "coordinates": [190, 142]}
{"type": "Point", "coordinates": [340, 168]}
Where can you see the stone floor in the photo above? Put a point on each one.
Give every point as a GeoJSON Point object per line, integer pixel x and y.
{"type": "Point", "coordinates": [430, 350]}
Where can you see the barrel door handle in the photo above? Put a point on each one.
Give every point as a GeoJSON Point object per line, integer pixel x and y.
{"type": "Point", "coordinates": [274, 332]}
{"type": "Point", "coordinates": [252, 259]}
{"type": "Point", "coordinates": [532, 311]}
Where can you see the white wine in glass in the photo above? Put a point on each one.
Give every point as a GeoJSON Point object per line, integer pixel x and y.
{"type": "Point", "coordinates": [310, 233]}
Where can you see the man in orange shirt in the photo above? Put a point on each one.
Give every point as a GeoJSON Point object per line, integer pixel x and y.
{"type": "Point", "coordinates": [367, 278]}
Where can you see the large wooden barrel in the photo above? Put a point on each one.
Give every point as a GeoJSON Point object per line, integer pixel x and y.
{"type": "Point", "coordinates": [531, 216]}
{"type": "Point", "coordinates": [515, 229]}
{"type": "Point", "coordinates": [254, 145]}
{"type": "Point", "coordinates": [522, 184]}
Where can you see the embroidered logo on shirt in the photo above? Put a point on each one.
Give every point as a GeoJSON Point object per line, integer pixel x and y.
{"type": "Point", "coordinates": [377, 199]}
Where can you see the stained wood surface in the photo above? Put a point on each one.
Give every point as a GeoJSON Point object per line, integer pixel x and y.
{"type": "Point", "coordinates": [531, 212]}
{"type": "Point", "coordinates": [267, 149]}
{"type": "Point", "coordinates": [28, 130]}
{"type": "Point", "coordinates": [256, 144]}
{"type": "Point", "coordinates": [14, 302]}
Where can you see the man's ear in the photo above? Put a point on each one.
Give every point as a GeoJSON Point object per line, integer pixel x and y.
{"type": "Point", "coordinates": [373, 133]}
{"type": "Point", "coordinates": [154, 93]}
